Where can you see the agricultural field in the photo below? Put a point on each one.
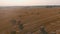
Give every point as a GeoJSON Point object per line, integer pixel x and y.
{"type": "Point", "coordinates": [29, 20]}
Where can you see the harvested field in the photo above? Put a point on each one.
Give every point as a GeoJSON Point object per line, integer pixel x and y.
{"type": "Point", "coordinates": [29, 19]}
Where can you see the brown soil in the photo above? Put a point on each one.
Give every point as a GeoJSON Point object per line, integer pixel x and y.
{"type": "Point", "coordinates": [31, 18]}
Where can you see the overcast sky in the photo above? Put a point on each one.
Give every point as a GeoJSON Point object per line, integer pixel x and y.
{"type": "Point", "coordinates": [28, 2]}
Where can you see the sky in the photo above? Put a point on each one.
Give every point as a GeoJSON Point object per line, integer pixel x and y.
{"type": "Point", "coordinates": [28, 2]}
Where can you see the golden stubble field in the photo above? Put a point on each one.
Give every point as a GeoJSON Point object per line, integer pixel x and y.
{"type": "Point", "coordinates": [31, 18]}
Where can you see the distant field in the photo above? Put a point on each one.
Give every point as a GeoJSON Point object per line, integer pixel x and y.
{"type": "Point", "coordinates": [31, 18]}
